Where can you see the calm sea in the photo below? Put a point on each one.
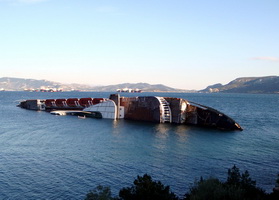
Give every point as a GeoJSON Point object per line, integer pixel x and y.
{"type": "Point", "coordinates": [62, 157]}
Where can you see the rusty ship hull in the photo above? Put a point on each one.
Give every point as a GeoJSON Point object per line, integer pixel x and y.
{"type": "Point", "coordinates": [143, 108]}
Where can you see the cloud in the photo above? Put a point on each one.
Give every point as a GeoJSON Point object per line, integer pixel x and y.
{"type": "Point", "coordinates": [268, 58]}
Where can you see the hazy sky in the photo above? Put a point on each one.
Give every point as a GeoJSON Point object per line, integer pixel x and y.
{"type": "Point", "coordinates": [187, 44]}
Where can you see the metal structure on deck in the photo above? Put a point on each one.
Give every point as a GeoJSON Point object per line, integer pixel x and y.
{"type": "Point", "coordinates": [143, 108]}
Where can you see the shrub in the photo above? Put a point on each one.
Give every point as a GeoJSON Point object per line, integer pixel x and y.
{"type": "Point", "coordinates": [212, 188]}
{"type": "Point", "coordinates": [100, 193]}
{"type": "Point", "coordinates": [237, 186]}
{"type": "Point", "coordinates": [145, 188]}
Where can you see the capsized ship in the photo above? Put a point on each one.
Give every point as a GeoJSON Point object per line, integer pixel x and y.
{"type": "Point", "coordinates": [143, 108]}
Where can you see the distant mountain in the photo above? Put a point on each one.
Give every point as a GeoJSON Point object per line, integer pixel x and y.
{"type": "Point", "coordinates": [267, 84]}
{"type": "Point", "coordinates": [142, 86]}
{"type": "Point", "coordinates": [20, 84]}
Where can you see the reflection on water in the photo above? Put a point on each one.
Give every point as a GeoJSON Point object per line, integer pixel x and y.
{"type": "Point", "coordinates": [44, 156]}
{"type": "Point", "coordinates": [116, 127]}
{"type": "Point", "coordinates": [166, 133]}
{"type": "Point", "coordinates": [161, 135]}
{"type": "Point", "coordinates": [162, 130]}
{"type": "Point", "coordinates": [182, 132]}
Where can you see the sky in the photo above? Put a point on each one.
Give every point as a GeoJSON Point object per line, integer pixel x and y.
{"type": "Point", "coordinates": [185, 44]}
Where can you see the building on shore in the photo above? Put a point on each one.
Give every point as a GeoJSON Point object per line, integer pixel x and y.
{"type": "Point", "coordinates": [129, 90]}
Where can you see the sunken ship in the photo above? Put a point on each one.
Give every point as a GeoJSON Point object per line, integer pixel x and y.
{"type": "Point", "coordinates": [142, 108]}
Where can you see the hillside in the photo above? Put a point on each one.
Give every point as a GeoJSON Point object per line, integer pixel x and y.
{"type": "Point", "coordinates": [267, 85]}
{"type": "Point", "coordinates": [19, 84]}
{"type": "Point", "coordinates": [257, 85]}
{"type": "Point", "coordinates": [142, 86]}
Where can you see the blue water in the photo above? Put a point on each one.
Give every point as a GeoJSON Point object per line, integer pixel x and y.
{"type": "Point", "coordinates": [62, 157]}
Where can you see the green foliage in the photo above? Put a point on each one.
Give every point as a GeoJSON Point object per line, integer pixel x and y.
{"type": "Point", "coordinates": [234, 176]}
{"type": "Point", "coordinates": [100, 193]}
{"type": "Point", "coordinates": [246, 181]}
{"type": "Point", "coordinates": [145, 188]}
{"type": "Point", "coordinates": [275, 194]}
{"type": "Point", "coordinates": [212, 188]}
{"type": "Point", "coordinates": [237, 179]}
{"type": "Point", "coordinates": [237, 186]}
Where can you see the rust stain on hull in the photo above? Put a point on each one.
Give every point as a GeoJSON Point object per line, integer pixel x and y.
{"type": "Point", "coordinates": [144, 108]}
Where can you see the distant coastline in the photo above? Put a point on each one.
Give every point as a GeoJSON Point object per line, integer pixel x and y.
{"type": "Point", "coordinates": [252, 85]}
{"type": "Point", "coordinates": [33, 85]}
{"type": "Point", "coordinates": [256, 85]}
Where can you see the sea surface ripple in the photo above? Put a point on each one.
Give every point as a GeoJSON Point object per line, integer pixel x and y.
{"type": "Point", "coordinates": [63, 157]}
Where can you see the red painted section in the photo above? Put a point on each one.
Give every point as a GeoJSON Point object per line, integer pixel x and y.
{"type": "Point", "coordinates": [60, 102]}
{"type": "Point", "coordinates": [85, 102]}
{"type": "Point", "coordinates": [97, 100]}
{"type": "Point", "coordinates": [73, 102]}
{"type": "Point", "coordinates": [49, 102]}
